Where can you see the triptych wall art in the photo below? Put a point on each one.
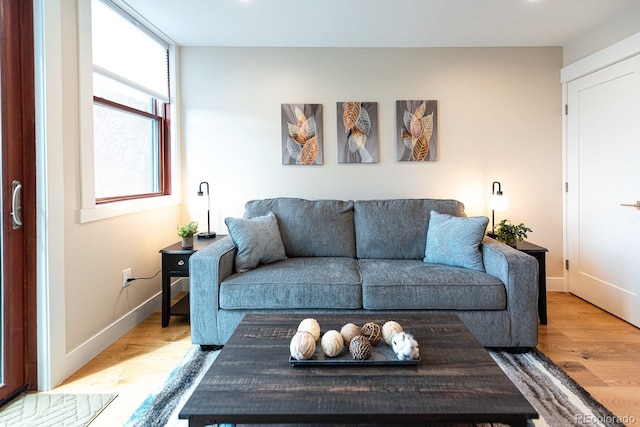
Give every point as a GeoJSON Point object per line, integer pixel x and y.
{"type": "Point", "coordinates": [357, 132]}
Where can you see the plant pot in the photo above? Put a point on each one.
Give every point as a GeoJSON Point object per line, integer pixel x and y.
{"type": "Point", "coordinates": [511, 242]}
{"type": "Point", "coordinates": [187, 242]}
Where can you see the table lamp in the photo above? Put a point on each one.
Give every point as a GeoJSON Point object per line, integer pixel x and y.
{"type": "Point", "coordinates": [498, 202]}
{"type": "Point", "coordinates": [208, 234]}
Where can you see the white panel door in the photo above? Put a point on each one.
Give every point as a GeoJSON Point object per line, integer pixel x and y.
{"type": "Point", "coordinates": [603, 171]}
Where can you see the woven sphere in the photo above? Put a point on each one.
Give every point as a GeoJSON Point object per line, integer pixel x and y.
{"type": "Point", "coordinates": [373, 332]}
{"type": "Point", "coordinates": [302, 345]}
{"type": "Point", "coordinates": [349, 331]}
{"type": "Point", "coordinates": [332, 343]}
{"type": "Point", "coordinates": [310, 325]}
{"type": "Point", "coordinates": [360, 348]}
{"type": "Point", "coordinates": [389, 329]}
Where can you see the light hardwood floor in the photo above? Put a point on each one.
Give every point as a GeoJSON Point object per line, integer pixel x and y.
{"type": "Point", "coordinates": [132, 367]}
{"type": "Point", "coordinates": [600, 351]}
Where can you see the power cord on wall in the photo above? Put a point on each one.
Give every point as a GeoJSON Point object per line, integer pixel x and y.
{"type": "Point", "coordinates": [131, 279]}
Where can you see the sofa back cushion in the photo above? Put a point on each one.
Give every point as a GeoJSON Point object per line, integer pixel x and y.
{"type": "Point", "coordinates": [311, 227]}
{"type": "Point", "coordinates": [397, 228]}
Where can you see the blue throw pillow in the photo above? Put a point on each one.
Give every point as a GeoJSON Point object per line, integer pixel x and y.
{"type": "Point", "coordinates": [455, 241]}
{"type": "Point", "coordinates": [258, 241]}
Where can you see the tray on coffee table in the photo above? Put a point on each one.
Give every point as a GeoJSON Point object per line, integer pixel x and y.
{"type": "Point", "coordinates": [381, 355]}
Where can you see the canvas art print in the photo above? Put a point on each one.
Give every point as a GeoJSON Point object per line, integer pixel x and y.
{"type": "Point", "coordinates": [301, 134]}
{"type": "Point", "coordinates": [357, 132]}
{"type": "Point", "coordinates": [417, 131]}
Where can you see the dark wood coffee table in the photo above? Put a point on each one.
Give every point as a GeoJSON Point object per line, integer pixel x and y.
{"type": "Point", "coordinates": [457, 381]}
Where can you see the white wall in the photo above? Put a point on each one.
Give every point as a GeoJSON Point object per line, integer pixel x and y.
{"type": "Point", "coordinates": [499, 119]}
{"type": "Point", "coordinates": [82, 306]}
{"type": "Point", "coordinates": [615, 29]}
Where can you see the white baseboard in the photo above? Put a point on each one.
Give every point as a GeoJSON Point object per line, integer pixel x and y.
{"type": "Point", "coordinates": [556, 284]}
{"type": "Point", "coordinates": [89, 349]}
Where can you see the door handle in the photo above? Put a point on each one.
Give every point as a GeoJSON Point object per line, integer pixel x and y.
{"type": "Point", "coordinates": [637, 205]}
{"type": "Point", "coordinates": [16, 207]}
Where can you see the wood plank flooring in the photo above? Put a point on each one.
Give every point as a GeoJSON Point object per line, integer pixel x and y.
{"type": "Point", "coordinates": [132, 367]}
{"type": "Point", "coordinates": [600, 351]}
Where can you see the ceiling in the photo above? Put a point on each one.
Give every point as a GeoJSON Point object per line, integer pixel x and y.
{"type": "Point", "coordinates": [377, 23]}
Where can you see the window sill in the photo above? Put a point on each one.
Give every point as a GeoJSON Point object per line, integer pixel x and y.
{"type": "Point", "coordinates": [115, 209]}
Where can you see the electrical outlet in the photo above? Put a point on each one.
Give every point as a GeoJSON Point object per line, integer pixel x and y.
{"type": "Point", "coordinates": [126, 274]}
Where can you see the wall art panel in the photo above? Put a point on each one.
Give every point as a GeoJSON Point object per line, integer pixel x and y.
{"type": "Point", "coordinates": [417, 131]}
{"type": "Point", "coordinates": [357, 132]}
{"type": "Point", "coordinates": [301, 134]}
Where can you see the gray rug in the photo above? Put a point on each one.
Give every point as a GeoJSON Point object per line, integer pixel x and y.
{"type": "Point", "coordinates": [161, 407]}
{"type": "Point", "coordinates": [559, 400]}
{"type": "Point", "coordinates": [49, 410]}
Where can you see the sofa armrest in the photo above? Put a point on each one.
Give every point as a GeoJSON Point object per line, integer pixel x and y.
{"type": "Point", "coordinates": [519, 272]}
{"type": "Point", "coordinates": [207, 269]}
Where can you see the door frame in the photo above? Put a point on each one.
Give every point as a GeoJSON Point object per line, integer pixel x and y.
{"type": "Point", "coordinates": [18, 135]}
{"type": "Point", "coordinates": [613, 54]}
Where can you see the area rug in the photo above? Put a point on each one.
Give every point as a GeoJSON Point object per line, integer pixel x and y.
{"type": "Point", "coordinates": [48, 410]}
{"type": "Point", "coordinates": [559, 400]}
{"type": "Point", "coordinates": [161, 407]}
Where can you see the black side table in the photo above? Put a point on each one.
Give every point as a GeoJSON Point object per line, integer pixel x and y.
{"type": "Point", "coordinates": [539, 253]}
{"type": "Point", "coordinates": [175, 263]}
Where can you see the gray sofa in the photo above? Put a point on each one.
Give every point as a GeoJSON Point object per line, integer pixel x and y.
{"type": "Point", "coordinates": [365, 256]}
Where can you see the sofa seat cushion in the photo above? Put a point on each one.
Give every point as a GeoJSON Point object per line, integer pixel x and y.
{"type": "Point", "coordinates": [295, 283]}
{"type": "Point", "coordinates": [416, 285]}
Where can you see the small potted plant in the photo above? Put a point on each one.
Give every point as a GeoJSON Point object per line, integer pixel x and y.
{"type": "Point", "coordinates": [509, 233]}
{"type": "Point", "coordinates": [187, 231]}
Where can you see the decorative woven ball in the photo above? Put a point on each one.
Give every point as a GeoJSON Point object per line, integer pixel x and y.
{"type": "Point", "coordinates": [349, 331]}
{"type": "Point", "coordinates": [302, 345]}
{"type": "Point", "coordinates": [389, 329]}
{"type": "Point", "coordinates": [373, 332]}
{"type": "Point", "coordinates": [332, 343]}
{"type": "Point", "coordinates": [360, 348]}
{"type": "Point", "coordinates": [310, 325]}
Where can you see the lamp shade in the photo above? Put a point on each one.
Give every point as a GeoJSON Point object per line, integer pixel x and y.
{"type": "Point", "coordinates": [499, 202]}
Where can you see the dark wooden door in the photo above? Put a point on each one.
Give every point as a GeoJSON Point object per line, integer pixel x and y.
{"type": "Point", "coordinates": [17, 220]}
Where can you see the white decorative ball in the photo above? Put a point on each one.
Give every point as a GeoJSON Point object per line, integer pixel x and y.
{"type": "Point", "coordinates": [302, 345]}
{"type": "Point", "coordinates": [310, 325]}
{"type": "Point", "coordinates": [389, 329]}
{"type": "Point", "coordinates": [332, 343]}
{"type": "Point", "coordinates": [349, 331]}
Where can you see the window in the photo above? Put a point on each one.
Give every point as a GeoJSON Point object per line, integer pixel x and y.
{"type": "Point", "coordinates": [130, 107]}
